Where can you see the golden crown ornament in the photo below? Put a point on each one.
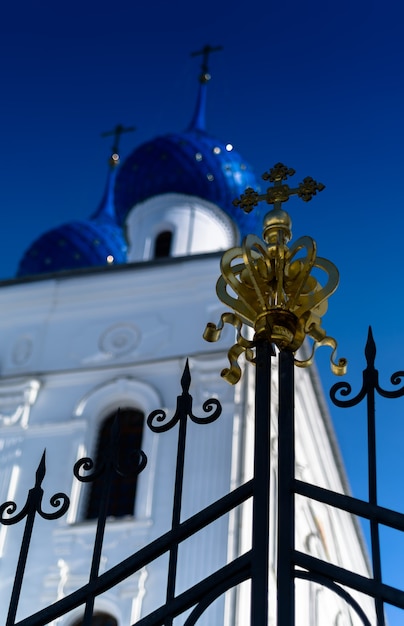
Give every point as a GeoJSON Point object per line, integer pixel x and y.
{"type": "Point", "coordinates": [270, 287]}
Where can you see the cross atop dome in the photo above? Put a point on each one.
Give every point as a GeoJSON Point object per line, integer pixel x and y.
{"type": "Point", "coordinates": [117, 132]}
{"type": "Point", "coordinates": [205, 52]}
{"type": "Point", "coordinates": [198, 119]}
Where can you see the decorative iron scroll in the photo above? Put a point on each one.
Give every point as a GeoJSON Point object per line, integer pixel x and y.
{"type": "Point", "coordinates": [158, 422]}
{"type": "Point", "coordinates": [32, 507]}
{"type": "Point", "coordinates": [33, 503]}
{"type": "Point", "coordinates": [112, 462]}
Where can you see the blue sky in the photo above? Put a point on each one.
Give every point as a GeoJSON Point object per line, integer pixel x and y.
{"type": "Point", "coordinates": [317, 85]}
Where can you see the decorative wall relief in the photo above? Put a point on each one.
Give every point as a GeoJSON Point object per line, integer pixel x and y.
{"type": "Point", "coordinates": [16, 401]}
{"type": "Point", "coordinates": [119, 339]}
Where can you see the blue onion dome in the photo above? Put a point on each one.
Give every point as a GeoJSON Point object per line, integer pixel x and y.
{"type": "Point", "coordinates": [192, 163]}
{"type": "Point", "coordinates": [94, 242]}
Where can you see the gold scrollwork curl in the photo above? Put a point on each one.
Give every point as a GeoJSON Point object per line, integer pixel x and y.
{"type": "Point", "coordinates": [338, 367]}
{"type": "Point", "coordinates": [243, 345]}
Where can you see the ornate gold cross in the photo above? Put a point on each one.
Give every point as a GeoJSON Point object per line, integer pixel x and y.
{"type": "Point", "coordinates": [279, 192]}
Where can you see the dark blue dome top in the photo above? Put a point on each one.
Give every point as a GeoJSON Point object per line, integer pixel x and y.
{"type": "Point", "coordinates": [192, 163]}
{"type": "Point", "coordinates": [88, 243]}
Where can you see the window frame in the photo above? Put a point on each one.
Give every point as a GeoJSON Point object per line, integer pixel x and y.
{"type": "Point", "coordinates": [93, 409]}
{"type": "Point", "coordinates": [122, 500]}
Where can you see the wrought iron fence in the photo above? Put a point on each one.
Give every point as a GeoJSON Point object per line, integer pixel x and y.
{"type": "Point", "coordinates": [252, 565]}
{"type": "Point", "coordinates": [336, 578]}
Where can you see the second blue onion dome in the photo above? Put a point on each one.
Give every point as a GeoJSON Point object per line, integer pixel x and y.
{"type": "Point", "coordinates": [192, 163]}
{"type": "Point", "coordinates": [97, 241]}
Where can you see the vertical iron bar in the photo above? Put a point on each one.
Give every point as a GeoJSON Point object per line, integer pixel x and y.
{"type": "Point", "coordinates": [22, 560]}
{"type": "Point", "coordinates": [262, 463]}
{"type": "Point", "coordinates": [110, 466]}
{"type": "Point", "coordinates": [176, 515]}
{"type": "Point", "coordinates": [372, 477]}
{"type": "Point", "coordinates": [286, 504]}
{"type": "Point", "coordinates": [32, 506]}
{"type": "Point", "coordinates": [99, 539]}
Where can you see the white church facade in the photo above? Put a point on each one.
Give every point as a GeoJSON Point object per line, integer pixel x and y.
{"type": "Point", "coordinates": [103, 315]}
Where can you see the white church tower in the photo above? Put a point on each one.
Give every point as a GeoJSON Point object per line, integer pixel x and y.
{"type": "Point", "coordinates": [102, 315]}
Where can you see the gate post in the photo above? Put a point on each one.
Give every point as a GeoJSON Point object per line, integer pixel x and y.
{"type": "Point", "coordinates": [286, 498]}
{"type": "Point", "coordinates": [261, 490]}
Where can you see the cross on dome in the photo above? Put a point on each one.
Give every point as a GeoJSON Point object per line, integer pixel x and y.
{"type": "Point", "coordinates": [198, 119]}
{"type": "Point", "coordinates": [117, 132]}
{"type": "Point", "coordinates": [205, 52]}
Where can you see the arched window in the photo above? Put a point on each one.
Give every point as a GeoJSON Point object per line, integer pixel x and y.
{"type": "Point", "coordinates": [123, 488]}
{"type": "Point", "coordinates": [162, 245]}
{"type": "Point", "coordinates": [99, 619]}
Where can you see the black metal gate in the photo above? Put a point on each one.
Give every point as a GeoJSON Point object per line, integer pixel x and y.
{"type": "Point", "coordinates": [292, 564]}
{"type": "Point", "coordinates": [254, 564]}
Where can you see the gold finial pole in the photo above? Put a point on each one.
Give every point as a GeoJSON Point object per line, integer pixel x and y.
{"type": "Point", "coordinates": [276, 294]}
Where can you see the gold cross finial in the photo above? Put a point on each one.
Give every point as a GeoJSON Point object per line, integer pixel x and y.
{"type": "Point", "coordinates": [270, 286]}
{"type": "Point", "coordinates": [205, 52]}
{"type": "Point", "coordinates": [117, 132]}
{"type": "Point", "coordinates": [279, 192]}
